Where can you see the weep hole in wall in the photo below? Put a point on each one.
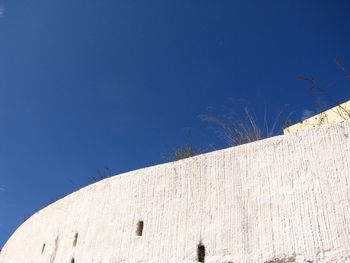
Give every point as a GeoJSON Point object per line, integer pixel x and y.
{"type": "Point", "coordinates": [139, 228]}
{"type": "Point", "coordinates": [43, 248]}
{"type": "Point", "coordinates": [75, 240]}
{"type": "Point", "coordinates": [200, 252]}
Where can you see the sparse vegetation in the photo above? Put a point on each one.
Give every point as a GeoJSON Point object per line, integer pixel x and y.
{"type": "Point", "coordinates": [236, 128]}
{"type": "Point", "coordinates": [182, 152]}
{"type": "Point", "coordinates": [241, 126]}
{"type": "Point", "coordinates": [323, 97]}
{"type": "Point", "coordinates": [102, 174]}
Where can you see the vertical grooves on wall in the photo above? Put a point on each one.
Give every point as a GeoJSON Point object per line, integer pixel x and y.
{"type": "Point", "coordinates": [285, 196]}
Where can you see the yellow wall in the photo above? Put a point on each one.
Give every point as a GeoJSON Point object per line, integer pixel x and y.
{"type": "Point", "coordinates": [334, 115]}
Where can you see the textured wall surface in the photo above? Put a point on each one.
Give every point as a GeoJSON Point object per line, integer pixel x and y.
{"type": "Point", "coordinates": [284, 199]}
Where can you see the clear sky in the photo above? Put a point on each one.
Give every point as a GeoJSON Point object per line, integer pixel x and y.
{"type": "Point", "coordinates": [88, 84]}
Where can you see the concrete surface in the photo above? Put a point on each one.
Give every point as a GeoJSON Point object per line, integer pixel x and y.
{"type": "Point", "coordinates": [284, 199]}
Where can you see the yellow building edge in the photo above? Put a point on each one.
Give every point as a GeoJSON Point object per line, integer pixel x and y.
{"type": "Point", "coordinates": [336, 114]}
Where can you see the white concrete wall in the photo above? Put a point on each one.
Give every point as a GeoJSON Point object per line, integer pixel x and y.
{"type": "Point", "coordinates": [285, 199]}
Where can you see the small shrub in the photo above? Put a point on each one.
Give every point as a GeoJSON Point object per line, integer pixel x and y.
{"type": "Point", "coordinates": [102, 174]}
{"type": "Point", "coordinates": [182, 152]}
{"type": "Point", "coordinates": [240, 127]}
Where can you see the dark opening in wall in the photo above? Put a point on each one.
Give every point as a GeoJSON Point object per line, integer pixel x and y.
{"type": "Point", "coordinates": [75, 240]}
{"type": "Point", "coordinates": [72, 260]}
{"type": "Point", "coordinates": [200, 252]}
{"type": "Point", "coordinates": [139, 228]}
{"type": "Point", "coordinates": [43, 248]}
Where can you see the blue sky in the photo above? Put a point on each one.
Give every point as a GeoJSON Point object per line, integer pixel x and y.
{"type": "Point", "coordinates": [88, 84]}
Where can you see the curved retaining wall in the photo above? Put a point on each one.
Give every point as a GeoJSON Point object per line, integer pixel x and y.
{"type": "Point", "coordinates": [284, 199]}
